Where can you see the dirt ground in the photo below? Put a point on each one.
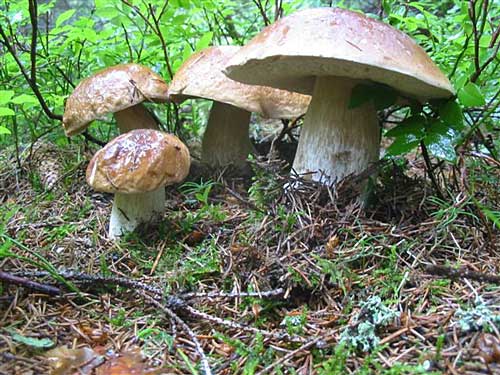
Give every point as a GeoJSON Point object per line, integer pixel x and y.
{"type": "Point", "coordinates": [311, 261]}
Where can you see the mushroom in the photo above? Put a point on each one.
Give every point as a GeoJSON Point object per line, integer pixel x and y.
{"type": "Point", "coordinates": [120, 90]}
{"type": "Point", "coordinates": [136, 166]}
{"type": "Point", "coordinates": [226, 139]}
{"type": "Point", "coordinates": [326, 52]}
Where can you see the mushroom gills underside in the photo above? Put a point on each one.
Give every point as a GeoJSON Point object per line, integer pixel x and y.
{"type": "Point", "coordinates": [226, 140]}
{"type": "Point", "coordinates": [131, 210]}
{"type": "Point", "coordinates": [336, 141]}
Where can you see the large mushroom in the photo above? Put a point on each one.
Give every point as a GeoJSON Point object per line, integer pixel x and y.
{"type": "Point", "coordinates": [120, 90]}
{"type": "Point", "coordinates": [226, 140]}
{"type": "Point", "coordinates": [326, 52]}
{"type": "Point", "coordinates": [136, 166]}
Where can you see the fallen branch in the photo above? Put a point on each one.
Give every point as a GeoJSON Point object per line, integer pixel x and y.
{"type": "Point", "coordinates": [30, 284]}
{"type": "Point", "coordinates": [185, 328]}
{"type": "Point", "coordinates": [461, 273]}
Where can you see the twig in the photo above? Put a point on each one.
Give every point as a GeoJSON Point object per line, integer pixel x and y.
{"type": "Point", "coordinates": [228, 323]}
{"type": "Point", "coordinates": [318, 341]}
{"type": "Point", "coordinates": [185, 328]}
{"type": "Point", "coordinates": [428, 168]}
{"type": "Point", "coordinates": [268, 293]}
{"type": "Point", "coordinates": [31, 80]}
{"type": "Point", "coordinates": [461, 273]}
{"type": "Point", "coordinates": [30, 284]}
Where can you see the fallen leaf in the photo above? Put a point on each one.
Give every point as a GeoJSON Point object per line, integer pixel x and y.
{"type": "Point", "coordinates": [127, 363]}
{"type": "Point", "coordinates": [64, 361]}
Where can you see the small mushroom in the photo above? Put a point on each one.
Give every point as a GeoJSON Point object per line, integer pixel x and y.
{"type": "Point", "coordinates": [120, 90]}
{"type": "Point", "coordinates": [136, 166]}
{"type": "Point", "coordinates": [226, 139]}
{"type": "Point", "coordinates": [325, 52]}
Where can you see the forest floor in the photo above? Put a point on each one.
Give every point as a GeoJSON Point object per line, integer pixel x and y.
{"type": "Point", "coordinates": [332, 288]}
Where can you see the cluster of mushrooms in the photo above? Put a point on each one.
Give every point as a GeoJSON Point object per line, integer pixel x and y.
{"type": "Point", "coordinates": [307, 62]}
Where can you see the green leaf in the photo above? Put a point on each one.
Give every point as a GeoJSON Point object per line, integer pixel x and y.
{"type": "Point", "coordinates": [441, 140]}
{"type": "Point", "coordinates": [32, 341]}
{"type": "Point", "coordinates": [5, 96]}
{"type": "Point", "coordinates": [451, 114]}
{"type": "Point", "coordinates": [4, 111]}
{"type": "Point", "coordinates": [204, 41]}
{"type": "Point", "coordinates": [360, 94]}
{"type": "Point", "coordinates": [470, 95]}
{"type": "Point", "coordinates": [402, 145]}
{"type": "Point", "coordinates": [414, 125]}
{"type": "Point", "coordinates": [441, 146]}
{"type": "Point", "coordinates": [64, 16]}
{"type": "Point", "coordinates": [4, 130]}
{"type": "Point", "coordinates": [383, 96]}
{"type": "Point", "coordinates": [25, 99]}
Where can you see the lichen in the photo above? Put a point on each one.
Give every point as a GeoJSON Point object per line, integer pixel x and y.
{"type": "Point", "coordinates": [362, 334]}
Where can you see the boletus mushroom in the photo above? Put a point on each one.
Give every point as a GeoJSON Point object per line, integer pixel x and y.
{"type": "Point", "coordinates": [226, 140]}
{"type": "Point", "coordinates": [136, 166]}
{"type": "Point", "coordinates": [326, 52]}
{"type": "Point", "coordinates": [120, 90]}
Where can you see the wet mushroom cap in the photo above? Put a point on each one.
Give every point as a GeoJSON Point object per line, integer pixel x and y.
{"type": "Point", "coordinates": [201, 77]}
{"type": "Point", "coordinates": [111, 90]}
{"type": "Point", "coordinates": [290, 53]}
{"type": "Point", "coordinates": [139, 161]}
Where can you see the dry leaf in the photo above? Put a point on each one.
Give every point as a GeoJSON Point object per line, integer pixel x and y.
{"type": "Point", "coordinates": [128, 363]}
{"type": "Point", "coordinates": [66, 361]}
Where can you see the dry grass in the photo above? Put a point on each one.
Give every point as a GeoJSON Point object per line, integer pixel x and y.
{"type": "Point", "coordinates": [328, 258]}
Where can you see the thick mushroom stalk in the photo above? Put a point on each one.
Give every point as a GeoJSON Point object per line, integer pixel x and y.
{"type": "Point", "coordinates": [226, 138]}
{"type": "Point", "coordinates": [133, 117]}
{"type": "Point", "coordinates": [131, 210]}
{"type": "Point", "coordinates": [336, 141]}
{"type": "Point", "coordinates": [291, 54]}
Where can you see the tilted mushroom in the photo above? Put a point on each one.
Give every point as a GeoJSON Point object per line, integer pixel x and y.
{"type": "Point", "coordinates": [136, 166]}
{"type": "Point", "coordinates": [326, 52]}
{"type": "Point", "coordinates": [120, 90]}
{"type": "Point", "coordinates": [226, 140]}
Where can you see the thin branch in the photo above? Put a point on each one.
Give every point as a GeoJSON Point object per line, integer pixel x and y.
{"type": "Point", "coordinates": [185, 328]}
{"type": "Point", "coordinates": [262, 11]}
{"type": "Point", "coordinates": [30, 79]}
{"type": "Point", "coordinates": [461, 273]}
{"type": "Point", "coordinates": [428, 168]}
{"type": "Point", "coordinates": [30, 284]}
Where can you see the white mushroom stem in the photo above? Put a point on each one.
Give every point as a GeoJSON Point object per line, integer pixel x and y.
{"type": "Point", "coordinates": [226, 139]}
{"type": "Point", "coordinates": [131, 210]}
{"type": "Point", "coordinates": [336, 141]}
{"type": "Point", "coordinates": [135, 117]}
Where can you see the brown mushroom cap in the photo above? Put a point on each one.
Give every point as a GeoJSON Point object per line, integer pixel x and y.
{"type": "Point", "coordinates": [139, 161]}
{"type": "Point", "coordinates": [201, 77]}
{"type": "Point", "coordinates": [111, 90]}
{"type": "Point", "coordinates": [290, 53]}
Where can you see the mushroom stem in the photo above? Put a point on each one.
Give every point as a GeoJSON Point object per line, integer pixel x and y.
{"type": "Point", "coordinates": [131, 210]}
{"type": "Point", "coordinates": [226, 139]}
{"type": "Point", "coordinates": [135, 117]}
{"type": "Point", "coordinates": [336, 141]}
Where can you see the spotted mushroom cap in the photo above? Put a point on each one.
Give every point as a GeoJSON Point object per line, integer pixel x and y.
{"type": "Point", "coordinates": [111, 90]}
{"type": "Point", "coordinates": [292, 52]}
{"type": "Point", "coordinates": [201, 77]}
{"type": "Point", "coordinates": [139, 161]}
